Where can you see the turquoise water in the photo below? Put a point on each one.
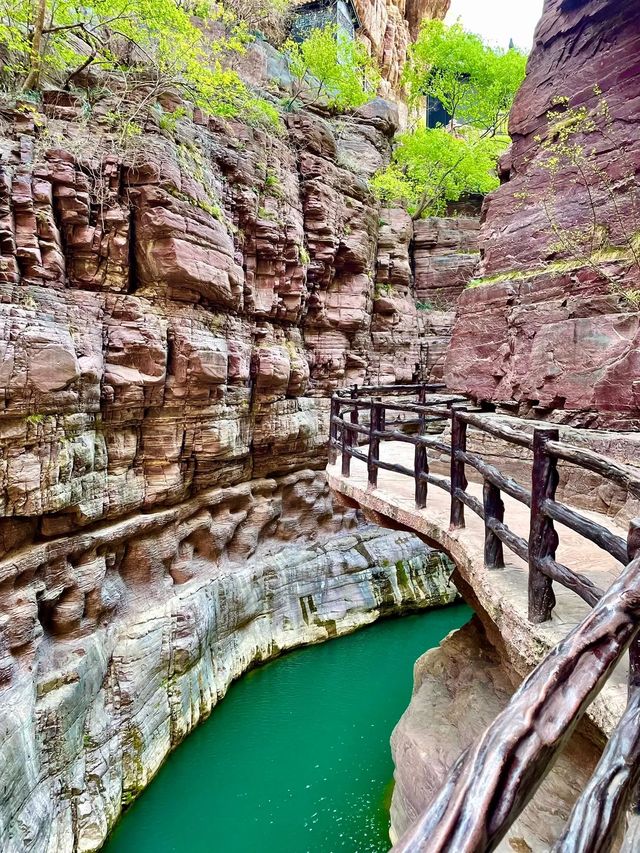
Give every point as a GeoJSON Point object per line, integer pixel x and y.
{"type": "Point", "coordinates": [296, 758]}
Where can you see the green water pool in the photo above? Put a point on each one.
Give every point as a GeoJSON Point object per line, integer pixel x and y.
{"type": "Point", "coordinates": [296, 758]}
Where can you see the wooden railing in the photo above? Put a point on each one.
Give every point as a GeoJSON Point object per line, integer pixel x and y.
{"type": "Point", "coordinates": [493, 780]}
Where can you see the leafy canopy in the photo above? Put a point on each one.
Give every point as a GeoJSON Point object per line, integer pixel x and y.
{"type": "Point", "coordinates": [431, 167]}
{"type": "Point", "coordinates": [476, 85]}
{"type": "Point", "coordinates": [330, 67]}
{"type": "Point", "coordinates": [150, 42]}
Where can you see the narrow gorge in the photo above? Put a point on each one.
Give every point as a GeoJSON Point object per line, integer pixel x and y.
{"type": "Point", "coordinates": [182, 295]}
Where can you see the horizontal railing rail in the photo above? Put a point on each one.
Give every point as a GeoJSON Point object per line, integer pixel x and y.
{"type": "Point", "coordinates": [493, 780]}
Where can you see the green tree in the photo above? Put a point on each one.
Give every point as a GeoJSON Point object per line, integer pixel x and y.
{"type": "Point", "coordinates": [329, 67]}
{"type": "Point", "coordinates": [476, 84]}
{"type": "Point", "coordinates": [153, 43]}
{"type": "Point", "coordinates": [431, 167]}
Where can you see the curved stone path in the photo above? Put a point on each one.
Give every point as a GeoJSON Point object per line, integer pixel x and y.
{"type": "Point", "coordinates": [499, 594]}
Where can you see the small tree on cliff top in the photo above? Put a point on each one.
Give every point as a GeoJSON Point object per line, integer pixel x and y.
{"type": "Point", "coordinates": [331, 68]}
{"type": "Point", "coordinates": [153, 43]}
{"type": "Point", "coordinates": [476, 85]}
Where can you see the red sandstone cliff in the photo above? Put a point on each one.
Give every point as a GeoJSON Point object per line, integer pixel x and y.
{"type": "Point", "coordinates": [544, 327]}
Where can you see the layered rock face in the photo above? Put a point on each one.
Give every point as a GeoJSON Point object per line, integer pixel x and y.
{"type": "Point", "coordinates": [445, 257]}
{"type": "Point", "coordinates": [176, 308]}
{"type": "Point", "coordinates": [145, 623]}
{"type": "Point", "coordinates": [554, 321]}
{"type": "Point", "coordinates": [389, 27]}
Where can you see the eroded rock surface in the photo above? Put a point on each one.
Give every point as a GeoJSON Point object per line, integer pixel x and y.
{"type": "Point", "coordinates": [446, 256]}
{"type": "Point", "coordinates": [118, 640]}
{"type": "Point", "coordinates": [547, 326]}
{"type": "Point", "coordinates": [174, 313]}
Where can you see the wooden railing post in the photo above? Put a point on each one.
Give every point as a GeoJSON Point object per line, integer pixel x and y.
{"type": "Point", "coordinates": [633, 551]}
{"type": "Point", "coordinates": [458, 477]}
{"type": "Point", "coordinates": [422, 399]}
{"type": "Point", "coordinates": [543, 539]}
{"type": "Point", "coordinates": [420, 467]}
{"type": "Point", "coordinates": [333, 430]}
{"type": "Point", "coordinates": [349, 437]}
{"type": "Point", "coordinates": [374, 442]}
{"type": "Point", "coordinates": [493, 508]}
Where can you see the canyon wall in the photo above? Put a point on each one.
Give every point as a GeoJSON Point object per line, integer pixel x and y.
{"type": "Point", "coordinates": [149, 619]}
{"type": "Point", "coordinates": [177, 304]}
{"type": "Point", "coordinates": [553, 320]}
{"type": "Point", "coordinates": [389, 27]}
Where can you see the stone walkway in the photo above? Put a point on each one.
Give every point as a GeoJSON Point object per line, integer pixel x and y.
{"type": "Point", "coordinates": [500, 593]}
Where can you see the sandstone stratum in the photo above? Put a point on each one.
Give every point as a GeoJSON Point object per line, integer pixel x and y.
{"type": "Point", "coordinates": [551, 325]}
{"type": "Point", "coordinates": [175, 313]}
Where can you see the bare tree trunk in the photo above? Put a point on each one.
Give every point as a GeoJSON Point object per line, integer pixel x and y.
{"type": "Point", "coordinates": [35, 61]}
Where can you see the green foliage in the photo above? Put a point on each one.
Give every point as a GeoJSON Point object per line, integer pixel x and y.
{"type": "Point", "coordinates": [269, 17]}
{"type": "Point", "coordinates": [329, 67]}
{"type": "Point", "coordinates": [152, 44]}
{"type": "Point", "coordinates": [475, 83]}
{"type": "Point", "coordinates": [431, 167]}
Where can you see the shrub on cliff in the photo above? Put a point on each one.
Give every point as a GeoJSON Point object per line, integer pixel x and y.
{"type": "Point", "coordinates": [269, 17]}
{"type": "Point", "coordinates": [152, 45]}
{"type": "Point", "coordinates": [432, 167]}
{"type": "Point", "coordinates": [476, 85]}
{"type": "Point", "coordinates": [329, 68]}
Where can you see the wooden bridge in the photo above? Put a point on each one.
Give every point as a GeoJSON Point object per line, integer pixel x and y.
{"type": "Point", "coordinates": [389, 445]}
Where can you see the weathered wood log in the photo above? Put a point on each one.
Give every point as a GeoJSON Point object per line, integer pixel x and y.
{"type": "Point", "coordinates": [597, 533]}
{"type": "Point", "coordinates": [494, 475]}
{"type": "Point", "coordinates": [493, 509]}
{"type": "Point", "coordinates": [440, 482]}
{"type": "Point", "coordinates": [458, 477]}
{"type": "Point", "coordinates": [422, 397]}
{"type": "Point", "coordinates": [503, 769]}
{"type": "Point", "coordinates": [348, 436]}
{"type": "Point", "coordinates": [354, 429]}
{"type": "Point", "coordinates": [425, 440]}
{"type": "Point", "coordinates": [543, 539]}
{"type": "Point", "coordinates": [356, 454]}
{"type": "Point", "coordinates": [431, 388]}
{"type": "Point", "coordinates": [427, 409]}
{"type": "Point", "coordinates": [514, 542]}
{"type": "Point", "coordinates": [374, 443]}
{"type": "Point", "coordinates": [624, 475]}
{"type": "Point", "coordinates": [333, 429]}
{"type": "Point", "coordinates": [420, 467]}
{"type": "Point", "coordinates": [600, 810]}
{"type": "Point", "coordinates": [580, 584]}
{"type": "Point", "coordinates": [487, 424]}
{"type": "Point", "coordinates": [395, 467]}
{"type": "Point", "coordinates": [468, 500]}
{"type": "Point", "coordinates": [633, 551]}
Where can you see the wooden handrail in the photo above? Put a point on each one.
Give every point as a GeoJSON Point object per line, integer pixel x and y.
{"type": "Point", "coordinates": [547, 449]}
{"type": "Point", "coordinates": [492, 781]}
